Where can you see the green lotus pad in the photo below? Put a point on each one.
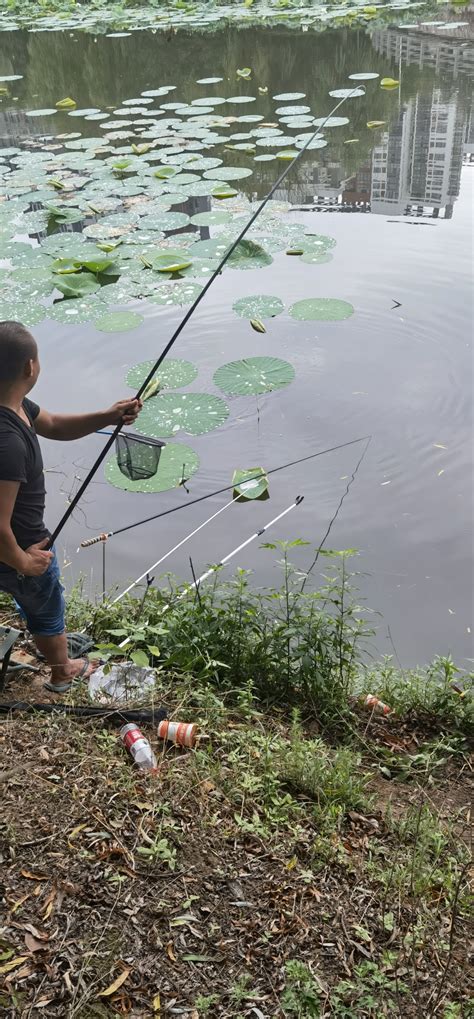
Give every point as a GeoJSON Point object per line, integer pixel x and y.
{"type": "Point", "coordinates": [251, 483]}
{"type": "Point", "coordinates": [321, 309]}
{"type": "Point", "coordinates": [172, 374]}
{"type": "Point", "coordinates": [177, 464]}
{"type": "Point", "coordinates": [119, 322]}
{"type": "Point", "coordinates": [194, 413]}
{"type": "Point", "coordinates": [258, 306]}
{"type": "Point", "coordinates": [253, 375]}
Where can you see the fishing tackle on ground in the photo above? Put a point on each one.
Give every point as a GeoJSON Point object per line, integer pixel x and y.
{"type": "Point", "coordinates": [101, 457]}
{"type": "Point", "coordinates": [115, 716]}
{"type": "Point", "coordinates": [138, 456]}
{"type": "Point", "coordinates": [219, 491]}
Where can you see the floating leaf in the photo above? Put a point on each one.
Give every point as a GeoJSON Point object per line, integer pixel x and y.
{"type": "Point", "coordinates": [177, 463]}
{"type": "Point", "coordinates": [77, 285]}
{"type": "Point", "coordinates": [288, 97]}
{"type": "Point", "coordinates": [249, 255]}
{"type": "Point", "coordinates": [211, 218]}
{"type": "Point", "coordinates": [250, 483]}
{"type": "Point", "coordinates": [172, 374]}
{"type": "Point", "coordinates": [316, 257]}
{"type": "Point", "coordinates": [63, 214]}
{"type": "Point", "coordinates": [168, 263]}
{"type": "Point", "coordinates": [389, 83]}
{"type": "Point", "coordinates": [347, 93]}
{"type": "Point", "coordinates": [180, 293]}
{"type": "Point", "coordinates": [244, 72]}
{"type": "Point", "coordinates": [152, 389]}
{"type": "Point", "coordinates": [194, 413]}
{"type": "Point", "coordinates": [257, 325]}
{"type": "Point", "coordinates": [66, 104]}
{"type": "Point", "coordinates": [228, 172]}
{"type": "Point", "coordinates": [258, 306]}
{"type": "Point", "coordinates": [253, 375]}
{"type": "Point", "coordinates": [321, 309]}
{"type": "Point", "coordinates": [364, 75]}
{"type": "Point", "coordinates": [119, 322]}
{"type": "Point", "coordinates": [372, 124]}
{"type": "Point", "coordinates": [205, 81]}
{"type": "Point", "coordinates": [223, 192]}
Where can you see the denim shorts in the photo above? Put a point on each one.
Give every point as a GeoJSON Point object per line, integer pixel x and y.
{"type": "Point", "coordinates": [40, 599]}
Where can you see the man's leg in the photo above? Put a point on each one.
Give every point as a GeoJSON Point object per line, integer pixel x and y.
{"type": "Point", "coordinates": [63, 668]}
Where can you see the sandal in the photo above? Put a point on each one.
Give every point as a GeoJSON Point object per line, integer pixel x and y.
{"type": "Point", "coordinates": [65, 687]}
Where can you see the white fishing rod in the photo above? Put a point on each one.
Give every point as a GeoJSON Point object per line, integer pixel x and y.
{"type": "Point", "coordinates": [197, 583]}
{"type": "Point", "coordinates": [257, 534]}
{"type": "Point", "coordinates": [175, 548]}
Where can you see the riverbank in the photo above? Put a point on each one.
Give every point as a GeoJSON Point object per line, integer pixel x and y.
{"type": "Point", "coordinates": [309, 858]}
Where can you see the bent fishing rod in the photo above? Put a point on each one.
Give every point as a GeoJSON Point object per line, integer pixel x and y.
{"type": "Point", "coordinates": [101, 457]}
{"type": "Point", "coordinates": [227, 488]}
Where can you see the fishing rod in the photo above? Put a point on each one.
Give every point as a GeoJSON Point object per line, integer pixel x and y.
{"type": "Point", "coordinates": [217, 566]}
{"type": "Point", "coordinates": [174, 549]}
{"type": "Point", "coordinates": [166, 349]}
{"type": "Point", "coordinates": [219, 491]}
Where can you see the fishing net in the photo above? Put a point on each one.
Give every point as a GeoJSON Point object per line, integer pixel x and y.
{"type": "Point", "coordinates": [137, 455]}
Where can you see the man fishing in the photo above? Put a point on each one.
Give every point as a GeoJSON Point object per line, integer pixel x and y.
{"type": "Point", "coordinates": [28, 570]}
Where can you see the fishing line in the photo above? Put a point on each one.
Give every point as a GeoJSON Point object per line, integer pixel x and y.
{"type": "Point", "coordinates": [174, 509]}
{"type": "Point", "coordinates": [336, 514]}
{"type": "Point", "coordinates": [110, 441]}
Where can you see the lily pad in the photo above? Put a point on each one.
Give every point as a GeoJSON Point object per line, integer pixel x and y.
{"type": "Point", "coordinates": [364, 76]}
{"type": "Point", "coordinates": [207, 81]}
{"type": "Point", "coordinates": [331, 121]}
{"type": "Point", "coordinates": [347, 93]}
{"type": "Point", "coordinates": [30, 313]}
{"type": "Point", "coordinates": [228, 172]}
{"type": "Point", "coordinates": [70, 312]}
{"type": "Point", "coordinates": [321, 309]}
{"type": "Point", "coordinates": [253, 375]}
{"type": "Point", "coordinates": [77, 284]}
{"type": "Point", "coordinates": [258, 306]}
{"type": "Point", "coordinates": [180, 293]}
{"type": "Point", "coordinates": [172, 374]}
{"type": "Point", "coordinates": [288, 97]}
{"type": "Point", "coordinates": [213, 218]}
{"type": "Point", "coordinates": [251, 483]}
{"type": "Point", "coordinates": [177, 464]}
{"type": "Point", "coordinates": [194, 413]}
{"type": "Point", "coordinates": [119, 322]}
{"type": "Point", "coordinates": [248, 255]}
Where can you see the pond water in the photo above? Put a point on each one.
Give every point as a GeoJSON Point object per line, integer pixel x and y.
{"type": "Point", "coordinates": [396, 199]}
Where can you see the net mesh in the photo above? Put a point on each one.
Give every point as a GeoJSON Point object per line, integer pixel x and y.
{"type": "Point", "coordinates": [137, 455]}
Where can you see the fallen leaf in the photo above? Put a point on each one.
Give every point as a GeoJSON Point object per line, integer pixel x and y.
{"type": "Point", "coordinates": [33, 877]}
{"type": "Point", "coordinates": [156, 1004]}
{"type": "Point", "coordinates": [19, 903]}
{"type": "Point", "coordinates": [41, 935]}
{"type": "Point", "coordinates": [42, 1002]}
{"type": "Point", "coordinates": [170, 951]}
{"type": "Point", "coordinates": [33, 945]}
{"type": "Point", "coordinates": [116, 984]}
{"type": "Point", "coordinates": [13, 964]}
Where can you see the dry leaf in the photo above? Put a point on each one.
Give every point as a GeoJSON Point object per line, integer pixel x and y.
{"type": "Point", "coordinates": [157, 1004]}
{"type": "Point", "coordinates": [170, 951]}
{"type": "Point", "coordinates": [33, 945]}
{"type": "Point", "coordinates": [116, 984]}
{"type": "Point", "coordinates": [33, 877]}
{"type": "Point", "coordinates": [13, 964]}
{"type": "Point", "coordinates": [41, 935]}
{"type": "Point", "coordinates": [19, 903]}
{"type": "Point", "coordinates": [43, 1002]}
{"type": "Point", "coordinates": [49, 903]}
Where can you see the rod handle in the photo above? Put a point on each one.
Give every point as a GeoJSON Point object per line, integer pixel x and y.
{"type": "Point", "coordinates": [93, 541]}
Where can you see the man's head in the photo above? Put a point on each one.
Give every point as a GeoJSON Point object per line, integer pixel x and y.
{"type": "Point", "coordinates": [19, 364]}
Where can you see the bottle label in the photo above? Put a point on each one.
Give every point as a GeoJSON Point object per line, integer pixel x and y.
{"type": "Point", "coordinates": [131, 737]}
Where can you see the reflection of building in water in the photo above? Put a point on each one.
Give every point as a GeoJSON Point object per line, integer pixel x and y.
{"type": "Point", "coordinates": [447, 50]}
{"type": "Point", "coordinates": [417, 162]}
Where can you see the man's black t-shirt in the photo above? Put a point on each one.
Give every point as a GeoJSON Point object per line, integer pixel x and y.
{"type": "Point", "coordinates": [21, 460]}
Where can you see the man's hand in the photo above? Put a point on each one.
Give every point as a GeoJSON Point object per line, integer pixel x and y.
{"type": "Point", "coordinates": [38, 559]}
{"type": "Point", "coordinates": [124, 412]}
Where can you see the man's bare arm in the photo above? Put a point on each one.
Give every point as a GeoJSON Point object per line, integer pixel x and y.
{"type": "Point", "coordinates": [66, 427]}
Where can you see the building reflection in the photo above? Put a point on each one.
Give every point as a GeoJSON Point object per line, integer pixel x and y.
{"type": "Point", "coordinates": [415, 166]}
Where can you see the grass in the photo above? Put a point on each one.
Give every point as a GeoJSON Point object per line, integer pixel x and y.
{"type": "Point", "coordinates": [309, 858]}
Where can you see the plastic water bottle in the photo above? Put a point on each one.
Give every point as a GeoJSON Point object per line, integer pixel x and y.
{"type": "Point", "coordinates": [139, 747]}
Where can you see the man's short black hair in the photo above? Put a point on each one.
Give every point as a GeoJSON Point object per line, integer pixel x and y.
{"type": "Point", "coordinates": [17, 346]}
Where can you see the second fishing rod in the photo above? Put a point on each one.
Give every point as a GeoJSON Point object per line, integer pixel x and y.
{"type": "Point", "coordinates": [108, 445]}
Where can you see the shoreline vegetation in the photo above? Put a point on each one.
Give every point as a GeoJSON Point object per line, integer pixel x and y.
{"type": "Point", "coordinates": [309, 859]}
{"type": "Point", "coordinates": [170, 15]}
